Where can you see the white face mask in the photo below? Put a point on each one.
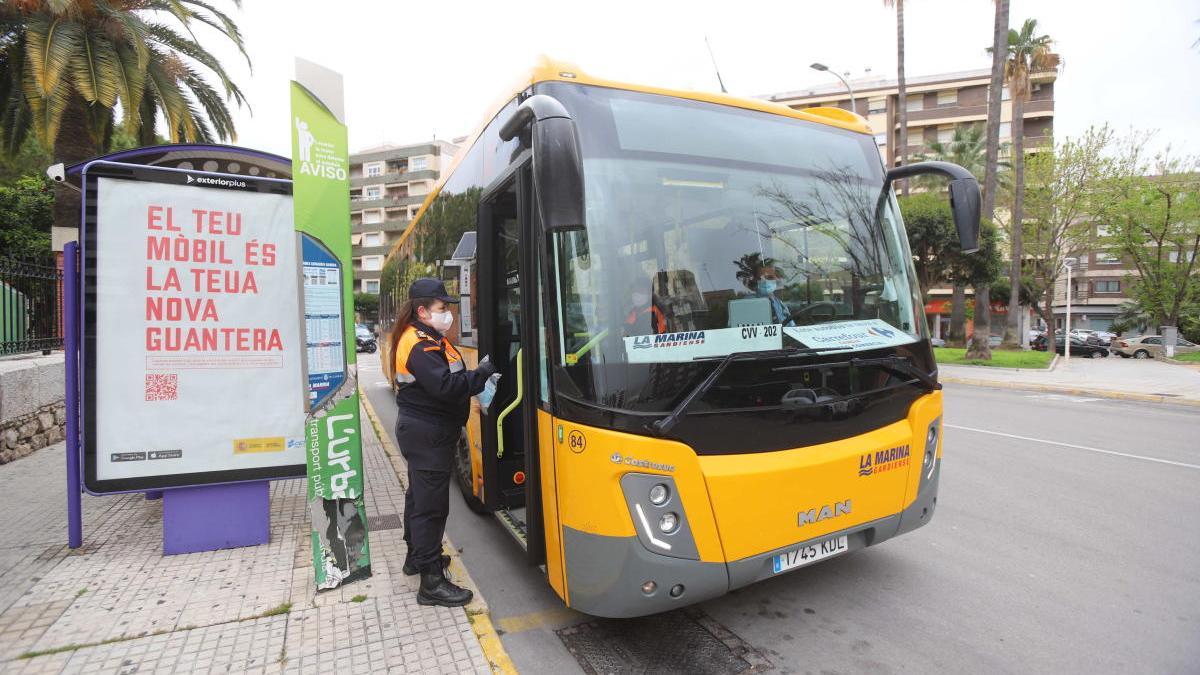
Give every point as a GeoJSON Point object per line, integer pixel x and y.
{"type": "Point", "coordinates": [441, 321]}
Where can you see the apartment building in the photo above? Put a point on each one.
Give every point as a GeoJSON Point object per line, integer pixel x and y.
{"type": "Point", "coordinates": [935, 105]}
{"type": "Point", "coordinates": [1099, 284]}
{"type": "Point", "coordinates": [387, 186]}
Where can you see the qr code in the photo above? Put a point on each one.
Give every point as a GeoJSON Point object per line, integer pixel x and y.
{"type": "Point", "coordinates": [162, 386]}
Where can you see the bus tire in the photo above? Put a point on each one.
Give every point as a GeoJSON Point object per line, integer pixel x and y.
{"type": "Point", "coordinates": [462, 474]}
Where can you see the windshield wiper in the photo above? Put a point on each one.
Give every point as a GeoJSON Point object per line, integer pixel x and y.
{"type": "Point", "coordinates": [899, 365]}
{"type": "Point", "coordinates": [902, 366]}
{"type": "Point", "coordinates": [663, 426]}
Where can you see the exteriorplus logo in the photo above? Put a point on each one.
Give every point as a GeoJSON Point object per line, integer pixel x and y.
{"type": "Point", "coordinates": [216, 182]}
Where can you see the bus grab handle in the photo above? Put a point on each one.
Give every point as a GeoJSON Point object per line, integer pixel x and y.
{"type": "Point", "coordinates": [508, 409]}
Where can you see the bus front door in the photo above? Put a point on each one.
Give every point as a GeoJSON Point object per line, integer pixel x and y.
{"type": "Point", "coordinates": [506, 305]}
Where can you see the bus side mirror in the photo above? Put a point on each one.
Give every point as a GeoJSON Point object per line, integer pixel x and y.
{"type": "Point", "coordinates": [557, 161]}
{"type": "Point", "coordinates": [964, 197]}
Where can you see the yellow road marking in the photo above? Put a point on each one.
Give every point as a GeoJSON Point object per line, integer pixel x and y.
{"type": "Point", "coordinates": [539, 619]}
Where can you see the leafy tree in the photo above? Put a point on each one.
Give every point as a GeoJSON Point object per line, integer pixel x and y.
{"type": "Point", "coordinates": [1026, 53]}
{"type": "Point", "coordinates": [931, 237]}
{"type": "Point", "coordinates": [1062, 184]}
{"type": "Point", "coordinates": [1001, 292]}
{"type": "Point", "coordinates": [1154, 222]}
{"type": "Point", "coordinates": [366, 305]}
{"type": "Point", "coordinates": [938, 258]}
{"type": "Point", "coordinates": [26, 212]}
{"type": "Point", "coordinates": [66, 64]}
{"type": "Point", "coordinates": [1131, 317]}
{"type": "Point", "coordinates": [30, 160]}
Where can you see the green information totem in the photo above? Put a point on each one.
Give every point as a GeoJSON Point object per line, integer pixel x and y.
{"type": "Point", "coordinates": [333, 435]}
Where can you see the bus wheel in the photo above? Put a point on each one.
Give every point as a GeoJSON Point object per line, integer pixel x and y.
{"type": "Point", "coordinates": [462, 472]}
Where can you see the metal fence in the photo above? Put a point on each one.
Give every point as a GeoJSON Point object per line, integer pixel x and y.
{"type": "Point", "coordinates": [31, 311]}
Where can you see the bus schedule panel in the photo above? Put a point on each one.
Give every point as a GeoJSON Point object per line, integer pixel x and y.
{"type": "Point", "coordinates": [192, 343]}
{"type": "Point", "coordinates": [323, 323]}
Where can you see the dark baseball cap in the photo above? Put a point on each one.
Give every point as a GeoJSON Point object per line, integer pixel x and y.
{"type": "Point", "coordinates": [427, 287]}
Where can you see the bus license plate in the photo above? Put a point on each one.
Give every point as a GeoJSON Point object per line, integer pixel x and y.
{"type": "Point", "coordinates": [806, 555]}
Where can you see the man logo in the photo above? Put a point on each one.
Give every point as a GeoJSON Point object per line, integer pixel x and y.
{"type": "Point", "coordinates": [815, 516]}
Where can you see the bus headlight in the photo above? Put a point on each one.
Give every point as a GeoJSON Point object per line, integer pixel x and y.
{"type": "Point", "coordinates": [668, 523]}
{"type": "Point", "coordinates": [931, 441]}
{"type": "Point", "coordinates": [659, 516]}
{"type": "Point", "coordinates": [659, 494]}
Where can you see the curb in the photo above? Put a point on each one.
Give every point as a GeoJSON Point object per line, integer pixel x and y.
{"type": "Point", "coordinates": [478, 613]}
{"type": "Point", "coordinates": [1076, 391]}
{"type": "Point", "coordinates": [1182, 364]}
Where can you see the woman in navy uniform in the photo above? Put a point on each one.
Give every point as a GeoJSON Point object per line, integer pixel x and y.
{"type": "Point", "coordinates": [433, 394]}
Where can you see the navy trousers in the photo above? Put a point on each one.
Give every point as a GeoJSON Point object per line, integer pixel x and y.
{"type": "Point", "coordinates": [428, 448]}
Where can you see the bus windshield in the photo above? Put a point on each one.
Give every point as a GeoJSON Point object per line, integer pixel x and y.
{"type": "Point", "coordinates": [712, 230]}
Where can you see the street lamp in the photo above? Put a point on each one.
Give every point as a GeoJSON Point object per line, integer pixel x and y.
{"type": "Point", "coordinates": [1068, 263]}
{"type": "Point", "coordinates": [825, 69]}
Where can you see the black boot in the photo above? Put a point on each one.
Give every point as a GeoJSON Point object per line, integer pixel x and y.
{"type": "Point", "coordinates": [410, 569]}
{"type": "Point", "coordinates": [436, 589]}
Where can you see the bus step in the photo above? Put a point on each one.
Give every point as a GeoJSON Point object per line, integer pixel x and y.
{"type": "Point", "coordinates": [514, 523]}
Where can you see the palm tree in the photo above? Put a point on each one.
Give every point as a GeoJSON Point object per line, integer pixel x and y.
{"type": "Point", "coordinates": [1025, 53]}
{"type": "Point", "coordinates": [901, 94]}
{"type": "Point", "coordinates": [66, 64]}
{"type": "Point", "coordinates": [968, 149]}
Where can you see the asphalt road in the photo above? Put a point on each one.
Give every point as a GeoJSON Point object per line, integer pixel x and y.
{"type": "Point", "coordinates": [1065, 540]}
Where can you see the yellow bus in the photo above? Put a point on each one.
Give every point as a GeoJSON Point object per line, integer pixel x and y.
{"type": "Point", "coordinates": [715, 363]}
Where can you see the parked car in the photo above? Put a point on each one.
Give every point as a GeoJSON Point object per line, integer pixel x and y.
{"type": "Point", "coordinates": [1091, 337]}
{"type": "Point", "coordinates": [1149, 346]}
{"type": "Point", "coordinates": [937, 342]}
{"type": "Point", "coordinates": [364, 339]}
{"type": "Point", "coordinates": [1081, 347]}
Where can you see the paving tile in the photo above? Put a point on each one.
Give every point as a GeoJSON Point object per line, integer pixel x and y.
{"type": "Point", "coordinates": [202, 612]}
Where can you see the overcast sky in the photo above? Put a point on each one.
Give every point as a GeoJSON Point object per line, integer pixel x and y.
{"type": "Point", "coordinates": [418, 69]}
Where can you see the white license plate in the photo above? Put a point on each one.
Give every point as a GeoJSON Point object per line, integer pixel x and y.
{"type": "Point", "coordinates": [806, 555]}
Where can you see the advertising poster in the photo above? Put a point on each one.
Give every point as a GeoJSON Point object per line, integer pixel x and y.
{"type": "Point", "coordinates": [197, 347]}
{"type": "Point", "coordinates": [321, 185]}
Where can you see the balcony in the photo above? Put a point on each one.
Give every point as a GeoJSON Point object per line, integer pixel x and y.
{"type": "Point", "coordinates": [392, 177]}
{"type": "Point", "coordinates": [371, 250]}
{"type": "Point", "coordinates": [973, 112]}
{"type": "Point", "coordinates": [393, 225]}
{"type": "Point", "coordinates": [360, 273]}
{"type": "Point", "coordinates": [1039, 107]}
{"type": "Point", "coordinates": [360, 203]}
{"type": "Point", "coordinates": [947, 112]}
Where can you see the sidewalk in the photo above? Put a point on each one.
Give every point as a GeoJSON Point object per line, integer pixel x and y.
{"type": "Point", "coordinates": [1114, 377]}
{"type": "Point", "coordinates": [119, 605]}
